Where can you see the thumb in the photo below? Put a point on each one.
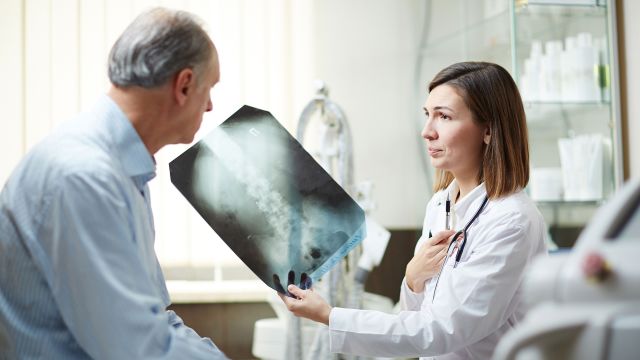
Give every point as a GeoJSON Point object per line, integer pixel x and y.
{"type": "Point", "coordinates": [296, 291]}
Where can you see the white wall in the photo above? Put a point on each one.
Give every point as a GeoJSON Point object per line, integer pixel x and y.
{"type": "Point", "coordinates": [53, 65]}
{"type": "Point", "coordinates": [11, 93]}
{"type": "Point", "coordinates": [365, 50]}
{"type": "Point", "coordinates": [630, 10]}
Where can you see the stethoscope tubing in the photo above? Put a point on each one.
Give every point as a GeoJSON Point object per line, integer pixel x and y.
{"type": "Point", "coordinates": [462, 245]}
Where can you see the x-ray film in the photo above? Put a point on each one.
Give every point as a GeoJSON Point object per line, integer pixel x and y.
{"type": "Point", "coordinates": [268, 199]}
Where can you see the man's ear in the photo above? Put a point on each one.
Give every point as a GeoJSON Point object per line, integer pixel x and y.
{"type": "Point", "coordinates": [183, 85]}
{"type": "Point", "coordinates": [487, 136]}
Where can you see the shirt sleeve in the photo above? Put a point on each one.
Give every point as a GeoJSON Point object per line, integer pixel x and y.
{"type": "Point", "coordinates": [105, 294]}
{"type": "Point", "coordinates": [174, 320]}
{"type": "Point", "coordinates": [471, 303]}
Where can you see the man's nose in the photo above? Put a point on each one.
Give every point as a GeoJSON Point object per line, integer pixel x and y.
{"type": "Point", "coordinates": [209, 105]}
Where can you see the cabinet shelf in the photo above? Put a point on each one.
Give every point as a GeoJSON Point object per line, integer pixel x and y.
{"type": "Point", "coordinates": [493, 25]}
{"type": "Point", "coordinates": [577, 11]}
{"type": "Point", "coordinates": [505, 33]}
{"type": "Point", "coordinates": [560, 9]}
{"type": "Point", "coordinates": [569, 203]}
{"type": "Point", "coordinates": [577, 105]}
{"type": "Point", "coordinates": [568, 111]}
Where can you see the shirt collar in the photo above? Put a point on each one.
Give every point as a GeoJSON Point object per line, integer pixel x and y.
{"type": "Point", "coordinates": [463, 204]}
{"type": "Point", "coordinates": [131, 151]}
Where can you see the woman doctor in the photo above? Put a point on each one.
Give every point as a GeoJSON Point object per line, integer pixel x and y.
{"type": "Point", "coordinates": [462, 289]}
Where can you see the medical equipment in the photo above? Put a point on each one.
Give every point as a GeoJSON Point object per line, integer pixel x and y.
{"type": "Point", "coordinates": [585, 304]}
{"type": "Point", "coordinates": [334, 152]}
{"type": "Point", "coordinates": [324, 132]}
{"type": "Point", "coordinates": [447, 209]}
{"type": "Point", "coordinates": [462, 232]}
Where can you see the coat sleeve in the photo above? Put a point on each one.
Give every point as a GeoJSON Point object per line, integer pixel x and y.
{"type": "Point", "coordinates": [410, 300]}
{"type": "Point", "coordinates": [473, 300]}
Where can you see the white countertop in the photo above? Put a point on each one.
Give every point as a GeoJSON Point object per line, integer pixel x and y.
{"type": "Point", "coordinates": [190, 292]}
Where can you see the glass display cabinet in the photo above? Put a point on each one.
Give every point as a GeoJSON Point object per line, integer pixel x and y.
{"type": "Point", "coordinates": [563, 56]}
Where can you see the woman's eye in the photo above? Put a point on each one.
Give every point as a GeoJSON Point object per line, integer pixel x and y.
{"type": "Point", "coordinates": [444, 117]}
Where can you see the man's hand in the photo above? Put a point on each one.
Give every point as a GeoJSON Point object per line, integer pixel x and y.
{"type": "Point", "coordinates": [307, 304]}
{"type": "Point", "coordinates": [427, 261]}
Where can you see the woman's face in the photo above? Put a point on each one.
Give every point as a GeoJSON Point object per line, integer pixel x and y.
{"type": "Point", "coordinates": [454, 139]}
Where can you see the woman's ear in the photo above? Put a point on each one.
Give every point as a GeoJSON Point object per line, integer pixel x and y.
{"type": "Point", "coordinates": [487, 136]}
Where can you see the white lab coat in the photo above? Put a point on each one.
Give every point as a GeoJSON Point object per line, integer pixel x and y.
{"type": "Point", "coordinates": [475, 303]}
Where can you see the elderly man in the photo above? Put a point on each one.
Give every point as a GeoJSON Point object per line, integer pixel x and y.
{"type": "Point", "coordinates": [79, 277]}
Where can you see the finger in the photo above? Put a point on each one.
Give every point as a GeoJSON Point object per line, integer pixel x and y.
{"type": "Point", "coordinates": [296, 291]}
{"type": "Point", "coordinates": [288, 302]}
{"type": "Point", "coordinates": [432, 247]}
{"type": "Point", "coordinates": [434, 250]}
{"type": "Point", "coordinates": [278, 285]}
{"type": "Point", "coordinates": [441, 236]}
{"type": "Point", "coordinates": [458, 241]}
{"type": "Point", "coordinates": [444, 251]}
{"type": "Point", "coordinates": [456, 236]}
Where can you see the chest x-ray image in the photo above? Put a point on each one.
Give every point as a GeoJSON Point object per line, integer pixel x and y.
{"type": "Point", "coordinates": [268, 199]}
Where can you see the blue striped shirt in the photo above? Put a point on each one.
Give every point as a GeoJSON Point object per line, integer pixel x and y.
{"type": "Point", "coordinates": [79, 277]}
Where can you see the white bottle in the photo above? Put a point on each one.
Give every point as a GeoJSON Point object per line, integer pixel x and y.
{"type": "Point", "coordinates": [588, 88]}
{"type": "Point", "coordinates": [529, 76]}
{"type": "Point", "coordinates": [550, 89]}
{"type": "Point", "coordinates": [568, 69]}
{"type": "Point", "coordinates": [529, 83]}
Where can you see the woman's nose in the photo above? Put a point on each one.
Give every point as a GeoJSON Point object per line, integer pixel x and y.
{"type": "Point", "coordinates": [428, 132]}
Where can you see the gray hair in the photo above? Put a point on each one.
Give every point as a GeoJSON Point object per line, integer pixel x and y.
{"type": "Point", "coordinates": [155, 46]}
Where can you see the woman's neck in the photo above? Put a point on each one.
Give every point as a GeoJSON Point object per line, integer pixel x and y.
{"type": "Point", "coordinates": [466, 184]}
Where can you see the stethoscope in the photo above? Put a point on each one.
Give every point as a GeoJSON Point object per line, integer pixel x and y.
{"type": "Point", "coordinates": [462, 245]}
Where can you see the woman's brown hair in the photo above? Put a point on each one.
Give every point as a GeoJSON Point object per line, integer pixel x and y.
{"type": "Point", "coordinates": [494, 100]}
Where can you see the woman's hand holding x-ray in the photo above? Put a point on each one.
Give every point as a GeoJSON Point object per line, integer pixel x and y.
{"type": "Point", "coordinates": [426, 263]}
{"type": "Point", "coordinates": [307, 304]}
